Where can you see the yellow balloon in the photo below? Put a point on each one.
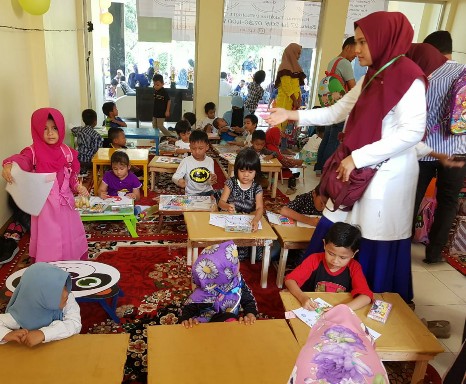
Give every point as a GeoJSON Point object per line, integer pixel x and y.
{"type": "Point", "coordinates": [106, 18]}
{"type": "Point", "coordinates": [35, 7]}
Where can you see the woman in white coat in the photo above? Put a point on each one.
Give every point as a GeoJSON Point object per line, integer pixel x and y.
{"type": "Point", "coordinates": [386, 115]}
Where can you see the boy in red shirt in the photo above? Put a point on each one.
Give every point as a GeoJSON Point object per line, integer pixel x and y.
{"type": "Point", "coordinates": [334, 270]}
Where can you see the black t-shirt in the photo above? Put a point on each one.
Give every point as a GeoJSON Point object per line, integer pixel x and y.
{"type": "Point", "coordinates": [160, 102]}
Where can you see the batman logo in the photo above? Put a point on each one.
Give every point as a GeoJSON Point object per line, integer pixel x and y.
{"type": "Point", "coordinates": [199, 175]}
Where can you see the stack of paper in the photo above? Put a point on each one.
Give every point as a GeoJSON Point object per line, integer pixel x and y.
{"type": "Point", "coordinates": [220, 220]}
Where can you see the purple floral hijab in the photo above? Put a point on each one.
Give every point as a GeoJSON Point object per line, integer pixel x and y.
{"type": "Point", "coordinates": [338, 350]}
{"type": "Point", "coordinates": [218, 280]}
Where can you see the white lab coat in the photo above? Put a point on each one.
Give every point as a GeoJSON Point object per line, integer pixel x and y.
{"type": "Point", "coordinates": [385, 211]}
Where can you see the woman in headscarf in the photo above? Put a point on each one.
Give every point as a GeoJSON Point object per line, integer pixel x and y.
{"type": "Point", "coordinates": [438, 147]}
{"type": "Point", "coordinates": [57, 233]}
{"type": "Point", "coordinates": [387, 116]}
{"type": "Point", "coordinates": [42, 308]}
{"type": "Point", "coordinates": [290, 77]}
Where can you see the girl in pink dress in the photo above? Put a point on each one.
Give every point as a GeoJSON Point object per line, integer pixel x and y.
{"type": "Point", "coordinates": [57, 233]}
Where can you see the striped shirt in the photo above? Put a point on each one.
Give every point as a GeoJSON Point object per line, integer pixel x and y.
{"type": "Point", "coordinates": [440, 82]}
{"type": "Point", "coordinates": [89, 141]}
{"type": "Point", "coordinates": [255, 93]}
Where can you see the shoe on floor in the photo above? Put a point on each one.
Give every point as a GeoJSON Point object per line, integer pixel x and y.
{"type": "Point", "coordinates": [8, 250]}
{"type": "Point", "coordinates": [429, 261]}
{"type": "Point", "coordinates": [290, 191]}
{"type": "Point", "coordinates": [439, 328]}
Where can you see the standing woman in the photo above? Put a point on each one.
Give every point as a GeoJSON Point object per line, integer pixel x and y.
{"type": "Point", "coordinates": [290, 77]}
{"type": "Point", "coordinates": [387, 116]}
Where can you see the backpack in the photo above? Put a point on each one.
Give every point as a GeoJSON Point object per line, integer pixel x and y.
{"type": "Point", "coordinates": [332, 87]}
{"type": "Point", "coordinates": [424, 220]}
{"type": "Point", "coordinates": [454, 119]}
{"type": "Point", "coordinates": [458, 239]}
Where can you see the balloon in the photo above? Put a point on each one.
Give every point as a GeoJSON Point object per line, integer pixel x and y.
{"type": "Point", "coordinates": [106, 18]}
{"type": "Point", "coordinates": [35, 7]}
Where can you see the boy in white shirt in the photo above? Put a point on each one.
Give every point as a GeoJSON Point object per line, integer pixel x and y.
{"type": "Point", "coordinates": [183, 129]}
{"type": "Point", "coordinates": [209, 110]}
{"type": "Point", "coordinates": [196, 172]}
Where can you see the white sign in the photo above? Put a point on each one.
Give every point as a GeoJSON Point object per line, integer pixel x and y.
{"type": "Point", "coordinates": [360, 8]}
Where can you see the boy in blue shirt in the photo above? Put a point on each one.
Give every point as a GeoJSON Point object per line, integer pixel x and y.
{"type": "Point", "coordinates": [112, 120]}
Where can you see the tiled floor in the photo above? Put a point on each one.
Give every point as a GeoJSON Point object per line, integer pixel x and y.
{"type": "Point", "coordinates": [439, 291]}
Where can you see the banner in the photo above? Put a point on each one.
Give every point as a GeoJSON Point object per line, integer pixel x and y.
{"type": "Point", "coordinates": [360, 8]}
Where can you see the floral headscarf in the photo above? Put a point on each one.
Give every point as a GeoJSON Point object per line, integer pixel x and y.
{"type": "Point", "coordinates": [338, 350]}
{"type": "Point", "coordinates": [218, 280]}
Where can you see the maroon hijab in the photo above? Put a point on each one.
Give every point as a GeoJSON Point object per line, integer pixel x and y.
{"type": "Point", "coordinates": [426, 56]}
{"type": "Point", "coordinates": [388, 34]}
{"type": "Point", "coordinates": [49, 158]}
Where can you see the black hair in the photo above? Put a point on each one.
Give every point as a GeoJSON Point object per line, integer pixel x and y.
{"type": "Point", "coordinates": [122, 78]}
{"type": "Point", "coordinates": [344, 235]}
{"type": "Point", "coordinates": [258, 134]}
{"type": "Point", "coordinates": [198, 135]}
{"type": "Point", "coordinates": [158, 77]}
{"type": "Point", "coordinates": [182, 126]}
{"type": "Point", "coordinates": [215, 122]}
{"type": "Point", "coordinates": [89, 116]}
{"type": "Point", "coordinates": [317, 189]}
{"type": "Point", "coordinates": [441, 40]}
{"type": "Point", "coordinates": [209, 106]}
{"type": "Point", "coordinates": [114, 82]}
{"type": "Point", "coordinates": [349, 41]}
{"type": "Point", "coordinates": [190, 117]}
{"type": "Point", "coordinates": [108, 107]}
{"type": "Point", "coordinates": [253, 118]}
{"type": "Point", "coordinates": [223, 75]}
{"type": "Point", "coordinates": [249, 160]}
{"type": "Point", "coordinates": [259, 76]}
{"type": "Point", "coordinates": [119, 157]}
{"type": "Point", "coordinates": [114, 132]}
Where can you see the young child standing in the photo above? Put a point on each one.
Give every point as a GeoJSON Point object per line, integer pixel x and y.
{"type": "Point", "coordinates": [42, 308]}
{"type": "Point", "coordinates": [120, 180]}
{"type": "Point", "coordinates": [183, 129]}
{"type": "Point", "coordinates": [112, 120]}
{"type": "Point", "coordinates": [334, 270]}
{"type": "Point", "coordinates": [196, 172]}
{"type": "Point", "coordinates": [272, 142]}
{"type": "Point", "coordinates": [209, 109]}
{"type": "Point", "coordinates": [162, 105]}
{"type": "Point", "coordinates": [221, 294]}
{"type": "Point", "coordinates": [88, 140]}
{"type": "Point", "coordinates": [57, 233]}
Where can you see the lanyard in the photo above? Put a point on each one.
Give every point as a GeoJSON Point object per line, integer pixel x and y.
{"type": "Point", "coordinates": [381, 69]}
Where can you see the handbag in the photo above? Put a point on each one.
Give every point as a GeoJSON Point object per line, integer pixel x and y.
{"type": "Point", "coordinates": [344, 194]}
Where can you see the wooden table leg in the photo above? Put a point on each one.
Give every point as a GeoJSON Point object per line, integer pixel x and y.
{"type": "Point", "coordinates": [189, 254]}
{"type": "Point", "coordinates": [94, 176]}
{"type": "Point", "coordinates": [160, 221]}
{"type": "Point", "coordinates": [195, 254]}
{"type": "Point", "coordinates": [419, 372]}
{"type": "Point", "coordinates": [144, 184]}
{"type": "Point", "coordinates": [282, 267]}
{"type": "Point", "coordinates": [269, 187]}
{"type": "Point", "coordinates": [265, 263]}
{"type": "Point", "coordinates": [275, 184]}
{"type": "Point", "coordinates": [152, 180]}
{"type": "Point", "coordinates": [253, 254]}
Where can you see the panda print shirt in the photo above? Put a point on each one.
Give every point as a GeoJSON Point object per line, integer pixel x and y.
{"type": "Point", "coordinates": [196, 173]}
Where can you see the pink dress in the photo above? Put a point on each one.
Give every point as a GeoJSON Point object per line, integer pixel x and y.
{"type": "Point", "coordinates": [57, 233]}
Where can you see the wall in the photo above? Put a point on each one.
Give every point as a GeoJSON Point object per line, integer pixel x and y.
{"type": "Point", "coordinates": [457, 30]}
{"type": "Point", "coordinates": [41, 69]}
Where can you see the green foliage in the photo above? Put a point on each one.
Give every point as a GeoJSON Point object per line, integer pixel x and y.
{"type": "Point", "coordinates": [238, 53]}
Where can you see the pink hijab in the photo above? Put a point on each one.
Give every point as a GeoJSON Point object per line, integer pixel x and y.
{"type": "Point", "coordinates": [388, 35]}
{"type": "Point", "coordinates": [50, 158]}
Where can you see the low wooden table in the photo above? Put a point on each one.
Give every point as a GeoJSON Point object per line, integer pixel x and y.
{"type": "Point", "coordinates": [137, 157]}
{"type": "Point", "coordinates": [404, 337]}
{"type": "Point", "coordinates": [202, 234]}
{"type": "Point", "coordinates": [90, 359]}
{"type": "Point", "coordinates": [227, 353]}
{"type": "Point", "coordinates": [154, 167]}
{"type": "Point", "coordinates": [290, 237]}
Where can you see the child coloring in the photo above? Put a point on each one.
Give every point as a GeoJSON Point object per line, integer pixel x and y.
{"type": "Point", "coordinates": [334, 270]}
{"type": "Point", "coordinates": [220, 291]}
{"type": "Point", "coordinates": [57, 233]}
{"type": "Point", "coordinates": [119, 180]}
{"type": "Point", "coordinates": [196, 172]}
{"type": "Point", "coordinates": [42, 308]}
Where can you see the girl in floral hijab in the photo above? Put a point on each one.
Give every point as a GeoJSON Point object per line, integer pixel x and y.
{"type": "Point", "coordinates": [338, 350]}
{"type": "Point", "coordinates": [220, 289]}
